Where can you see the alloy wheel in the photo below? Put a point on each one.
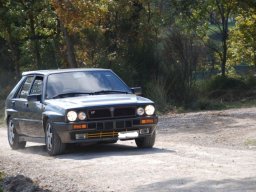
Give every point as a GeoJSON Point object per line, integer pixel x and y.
{"type": "Point", "coordinates": [49, 137]}
{"type": "Point", "coordinates": [11, 133]}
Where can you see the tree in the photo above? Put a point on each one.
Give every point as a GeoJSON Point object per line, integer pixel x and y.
{"type": "Point", "coordinates": [243, 39]}
{"type": "Point", "coordinates": [76, 16]}
{"type": "Point", "coordinates": [28, 27]}
{"type": "Point", "coordinates": [210, 21]}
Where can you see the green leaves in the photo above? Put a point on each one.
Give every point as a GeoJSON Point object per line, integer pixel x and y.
{"type": "Point", "coordinates": [243, 39]}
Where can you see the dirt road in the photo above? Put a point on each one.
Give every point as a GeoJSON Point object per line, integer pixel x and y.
{"type": "Point", "coordinates": [206, 151]}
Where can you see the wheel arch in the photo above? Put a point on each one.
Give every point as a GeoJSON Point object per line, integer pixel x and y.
{"type": "Point", "coordinates": [51, 117]}
{"type": "Point", "coordinates": [7, 119]}
{"type": "Point", "coordinates": [45, 119]}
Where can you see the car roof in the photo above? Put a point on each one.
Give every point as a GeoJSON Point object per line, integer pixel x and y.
{"type": "Point", "coordinates": [54, 71]}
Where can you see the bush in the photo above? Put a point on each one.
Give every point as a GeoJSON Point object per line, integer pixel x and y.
{"type": "Point", "coordinates": [181, 56]}
{"type": "Point", "coordinates": [156, 90]}
{"type": "Point", "coordinates": [226, 83]}
{"type": "Point", "coordinates": [250, 81]}
{"type": "Point", "coordinates": [206, 104]}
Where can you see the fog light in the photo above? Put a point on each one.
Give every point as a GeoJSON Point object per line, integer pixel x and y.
{"type": "Point", "coordinates": [144, 131]}
{"type": "Point", "coordinates": [81, 136]}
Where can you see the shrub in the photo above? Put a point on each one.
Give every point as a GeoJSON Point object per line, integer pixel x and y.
{"type": "Point", "coordinates": [156, 90]}
{"type": "Point", "coordinates": [226, 83]}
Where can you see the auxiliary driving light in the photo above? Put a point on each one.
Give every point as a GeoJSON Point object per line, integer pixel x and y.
{"type": "Point", "coordinates": [140, 111]}
{"type": "Point", "coordinates": [81, 116]}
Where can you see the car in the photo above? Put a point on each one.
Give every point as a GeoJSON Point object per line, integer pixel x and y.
{"type": "Point", "coordinates": [63, 106]}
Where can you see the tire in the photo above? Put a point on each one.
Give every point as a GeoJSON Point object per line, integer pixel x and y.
{"type": "Point", "coordinates": [13, 137]}
{"type": "Point", "coordinates": [54, 146]}
{"type": "Point", "coordinates": [146, 142]}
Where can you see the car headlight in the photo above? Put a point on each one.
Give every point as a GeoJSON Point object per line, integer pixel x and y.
{"type": "Point", "coordinates": [140, 111]}
{"type": "Point", "coordinates": [72, 115]}
{"type": "Point", "coordinates": [149, 109]}
{"type": "Point", "coordinates": [81, 116]}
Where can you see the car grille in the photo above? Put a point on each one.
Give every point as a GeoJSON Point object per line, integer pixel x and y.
{"type": "Point", "coordinates": [112, 112]}
{"type": "Point", "coordinates": [110, 134]}
{"type": "Point", "coordinates": [110, 125]}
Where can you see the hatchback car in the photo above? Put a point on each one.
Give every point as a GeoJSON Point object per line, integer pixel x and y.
{"type": "Point", "coordinates": [57, 107]}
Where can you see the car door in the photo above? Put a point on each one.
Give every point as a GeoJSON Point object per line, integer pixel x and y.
{"type": "Point", "coordinates": [34, 124]}
{"type": "Point", "coordinates": [19, 103]}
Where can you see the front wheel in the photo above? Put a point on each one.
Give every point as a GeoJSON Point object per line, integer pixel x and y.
{"type": "Point", "coordinates": [146, 142]}
{"type": "Point", "coordinates": [13, 137]}
{"type": "Point", "coordinates": [54, 146]}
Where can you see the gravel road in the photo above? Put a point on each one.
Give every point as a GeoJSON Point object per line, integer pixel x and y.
{"type": "Point", "coordinates": [204, 151]}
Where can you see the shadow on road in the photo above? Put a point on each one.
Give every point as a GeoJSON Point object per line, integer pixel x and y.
{"type": "Point", "coordinates": [85, 152]}
{"type": "Point", "coordinates": [189, 185]}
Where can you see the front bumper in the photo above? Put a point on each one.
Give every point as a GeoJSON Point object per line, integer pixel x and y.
{"type": "Point", "coordinates": [106, 130]}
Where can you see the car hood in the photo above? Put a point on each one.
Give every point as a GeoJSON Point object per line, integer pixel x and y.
{"type": "Point", "coordinates": [97, 100]}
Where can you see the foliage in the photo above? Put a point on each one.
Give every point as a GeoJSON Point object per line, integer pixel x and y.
{"type": "Point", "coordinates": [156, 90]}
{"type": "Point", "coordinates": [28, 29]}
{"type": "Point", "coordinates": [243, 39]}
{"type": "Point", "coordinates": [210, 22]}
{"type": "Point", "coordinates": [78, 15]}
{"type": "Point", "coordinates": [181, 57]}
{"type": "Point", "coordinates": [156, 44]}
{"type": "Point", "coordinates": [226, 83]}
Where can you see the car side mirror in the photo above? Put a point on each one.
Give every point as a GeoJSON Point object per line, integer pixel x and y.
{"type": "Point", "coordinates": [136, 90]}
{"type": "Point", "coordinates": [34, 97]}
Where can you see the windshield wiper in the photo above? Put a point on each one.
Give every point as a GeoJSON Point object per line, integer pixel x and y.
{"type": "Point", "coordinates": [71, 94]}
{"type": "Point", "coordinates": [108, 92]}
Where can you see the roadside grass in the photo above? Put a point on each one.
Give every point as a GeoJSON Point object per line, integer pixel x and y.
{"type": "Point", "coordinates": [1, 113]}
{"type": "Point", "coordinates": [241, 104]}
{"type": "Point", "coordinates": [250, 142]}
{"type": "Point", "coordinates": [209, 105]}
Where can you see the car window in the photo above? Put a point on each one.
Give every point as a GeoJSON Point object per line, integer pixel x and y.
{"type": "Point", "coordinates": [85, 81]}
{"type": "Point", "coordinates": [25, 88]}
{"type": "Point", "coordinates": [37, 86]}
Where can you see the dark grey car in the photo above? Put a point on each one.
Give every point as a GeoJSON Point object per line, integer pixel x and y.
{"type": "Point", "coordinates": [57, 107]}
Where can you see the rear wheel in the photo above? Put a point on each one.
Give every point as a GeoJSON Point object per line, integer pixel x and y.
{"type": "Point", "coordinates": [13, 137]}
{"type": "Point", "coordinates": [146, 142]}
{"type": "Point", "coordinates": [54, 146]}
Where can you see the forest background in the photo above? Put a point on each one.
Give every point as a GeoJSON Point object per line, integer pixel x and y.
{"type": "Point", "coordinates": [185, 54]}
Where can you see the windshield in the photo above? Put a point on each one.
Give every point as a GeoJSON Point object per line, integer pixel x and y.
{"type": "Point", "coordinates": [84, 82]}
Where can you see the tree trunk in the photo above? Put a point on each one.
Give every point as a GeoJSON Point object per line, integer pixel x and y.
{"type": "Point", "coordinates": [224, 58]}
{"type": "Point", "coordinates": [254, 58]}
{"type": "Point", "coordinates": [35, 41]}
{"type": "Point", "coordinates": [70, 48]}
{"type": "Point", "coordinates": [15, 52]}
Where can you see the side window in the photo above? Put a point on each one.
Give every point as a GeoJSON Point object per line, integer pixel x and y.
{"type": "Point", "coordinates": [37, 86]}
{"type": "Point", "coordinates": [25, 88]}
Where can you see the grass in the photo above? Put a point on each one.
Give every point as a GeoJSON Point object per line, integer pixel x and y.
{"type": "Point", "coordinates": [250, 142]}
{"type": "Point", "coordinates": [241, 104]}
{"type": "Point", "coordinates": [1, 113]}
{"type": "Point", "coordinates": [208, 105]}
